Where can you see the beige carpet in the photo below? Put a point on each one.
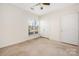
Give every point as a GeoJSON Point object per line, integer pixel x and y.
{"type": "Point", "coordinates": [40, 47]}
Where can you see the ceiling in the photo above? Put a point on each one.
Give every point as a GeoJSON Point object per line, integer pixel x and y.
{"type": "Point", "coordinates": [46, 9]}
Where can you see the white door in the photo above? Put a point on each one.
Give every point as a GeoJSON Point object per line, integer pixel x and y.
{"type": "Point", "coordinates": [69, 28]}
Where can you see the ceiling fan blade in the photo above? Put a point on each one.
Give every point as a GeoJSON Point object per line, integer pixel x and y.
{"type": "Point", "coordinates": [46, 3]}
{"type": "Point", "coordinates": [37, 4]}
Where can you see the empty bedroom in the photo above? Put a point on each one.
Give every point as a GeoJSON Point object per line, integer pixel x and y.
{"type": "Point", "coordinates": [39, 29]}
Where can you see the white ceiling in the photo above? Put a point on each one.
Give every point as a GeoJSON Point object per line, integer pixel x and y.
{"type": "Point", "coordinates": [47, 9]}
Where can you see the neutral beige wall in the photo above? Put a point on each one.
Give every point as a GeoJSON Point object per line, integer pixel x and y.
{"type": "Point", "coordinates": [13, 24]}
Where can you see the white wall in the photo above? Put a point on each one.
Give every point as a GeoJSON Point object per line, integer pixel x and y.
{"type": "Point", "coordinates": [13, 25]}
{"type": "Point", "coordinates": [69, 28]}
{"type": "Point", "coordinates": [51, 23]}
{"type": "Point", "coordinates": [50, 26]}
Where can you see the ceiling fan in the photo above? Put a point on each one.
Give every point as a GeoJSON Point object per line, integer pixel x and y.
{"type": "Point", "coordinates": [41, 5]}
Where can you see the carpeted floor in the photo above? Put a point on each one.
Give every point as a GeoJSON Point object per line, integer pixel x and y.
{"type": "Point", "coordinates": [40, 47]}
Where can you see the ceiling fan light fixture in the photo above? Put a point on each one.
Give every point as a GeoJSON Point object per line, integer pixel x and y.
{"type": "Point", "coordinates": [32, 8]}
{"type": "Point", "coordinates": [41, 8]}
{"type": "Point", "coordinates": [40, 5]}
